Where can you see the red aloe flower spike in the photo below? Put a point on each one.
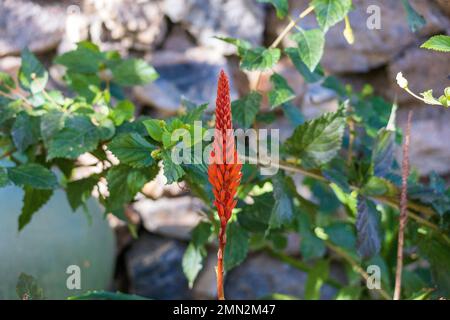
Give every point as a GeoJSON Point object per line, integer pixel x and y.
{"type": "Point", "coordinates": [224, 171]}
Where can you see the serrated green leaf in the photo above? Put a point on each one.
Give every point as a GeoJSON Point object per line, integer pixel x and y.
{"type": "Point", "coordinates": [172, 171]}
{"type": "Point", "coordinates": [317, 141]}
{"type": "Point", "coordinates": [124, 182]}
{"type": "Point", "coordinates": [6, 82]}
{"type": "Point", "coordinates": [281, 92]}
{"type": "Point", "coordinates": [260, 58]}
{"type": "Point", "coordinates": [33, 200]}
{"type": "Point", "coordinates": [438, 43]}
{"type": "Point", "coordinates": [79, 191]}
{"type": "Point", "coordinates": [9, 108]}
{"type": "Point", "coordinates": [123, 111]}
{"type": "Point", "coordinates": [33, 175]}
{"type": "Point", "coordinates": [83, 84]}
{"type": "Point", "coordinates": [27, 288]}
{"type": "Point", "coordinates": [25, 131]}
{"type": "Point", "coordinates": [244, 110]}
{"type": "Point", "coordinates": [283, 210]}
{"type": "Point", "coordinates": [377, 186]}
{"type": "Point", "coordinates": [132, 72]}
{"type": "Point", "coordinates": [281, 6]}
{"type": "Point", "coordinates": [196, 252]}
{"type": "Point", "coordinates": [236, 249]}
{"type": "Point", "coordinates": [330, 12]}
{"type": "Point", "coordinates": [368, 227]}
{"type": "Point", "coordinates": [415, 20]}
{"type": "Point", "coordinates": [132, 149]}
{"type": "Point", "coordinates": [316, 278]}
{"type": "Point", "coordinates": [430, 99]}
{"type": "Point", "coordinates": [310, 44]}
{"type": "Point", "coordinates": [32, 75]}
{"type": "Point", "coordinates": [310, 77]}
{"type": "Point", "coordinates": [342, 234]}
{"type": "Point", "coordinates": [78, 136]}
{"type": "Point", "coordinates": [311, 247]}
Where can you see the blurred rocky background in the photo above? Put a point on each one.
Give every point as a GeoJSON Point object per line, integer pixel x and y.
{"type": "Point", "coordinates": [177, 37]}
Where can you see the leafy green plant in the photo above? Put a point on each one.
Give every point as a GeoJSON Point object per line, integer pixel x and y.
{"type": "Point", "coordinates": [346, 158]}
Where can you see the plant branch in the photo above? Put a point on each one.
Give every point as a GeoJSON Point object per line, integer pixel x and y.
{"type": "Point", "coordinates": [403, 209]}
{"type": "Point", "coordinates": [283, 34]}
{"type": "Point", "coordinates": [344, 255]}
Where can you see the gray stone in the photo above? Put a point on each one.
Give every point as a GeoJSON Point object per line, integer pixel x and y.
{"type": "Point", "coordinates": [154, 268]}
{"type": "Point", "coordinates": [261, 275]}
{"type": "Point", "coordinates": [126, 24]}
{"type": "Point", "coordinates": [241, 19]}
{"type": "Point", "coordinates": [191, 74]}
{"type": "Point", "coordinates": [36, 25]}
{"type": "Point", "coordinates": [171, 217]}
{"type": "Point", "coordinates": [372, 48]}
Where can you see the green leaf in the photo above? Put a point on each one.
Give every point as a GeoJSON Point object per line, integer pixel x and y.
{"type": "Point", "coordinates": [124, 182]}
{"type": "Point", "coordinates": [33, 175]}
{"type": "Point", "coordinates": [240, 44]}
{"type": "Point", "coordinates": [32, 75]}
{"type": "Point", "coordinates": [383, 152]}
{"type": "Point", "coordinates": [123, 111]}
{"type": "Point", "coordinates": [342, 234]}
{"type": "Point", "coordinates": [78, 136]}
{"type": "Point", "coordinates": [244, 110]}
{"type": "Point", "coordinates": [83, 84]}
{"type": "Point", "coordinates": [368, 227]}
{"type": "Point", "coordinates": [155, 128]}
{"type": "Point", "coordinates": [236, 249]}
{"type": "Point", "coordinates": [430, 99]}
{"type": "Point", "coordinates": [255, 217]}
{"type": "Point", "coordinates": [27, 288]}
{"type": "Point", "coordinates": [311, 247]}
{"type": "Point", "coordinates": [193, 113]}
{"type": "Point", "coordinates": [132, 149]}
{"type": "Point", "coordinates": [438, 43]}
{"type": "Point", "coordinates": [25, 131]}
{"type": "Point", "coordinates": [192, 262]}
{"type": "Point", "coordinates": [86, 58]}
{"type": "Point", "coordinates": [51, 122]}
{"type": "Point", "coordinates": [33, 200]}
{"type": "Point", "coordinates": [282, 212]}
{"type": "Point", "coordinates": [132, 72]}
{"type": "Point", "coordinates": [172, 171]}
{"type": "Point", "coordinates": [310, 44]}
{"type": "Point", "coordinates": [317, 141]}
{"type": "Point", "coordinates": [260, 58]}
{"type": "Point", "coordinates": [196, 252]}
{"type": "Point", "coordinates": [281, 6]}
{"type": "Point", "coordinates": [310, 77]}
{"type": "Point", "coordinates": [349, 293]}
{"type": "Point", "coordinates": [281, 92]}
{"type": "Point", "coordinates": [330, 12]}
{"type": "Point", "coordinates": [4, 180]}
{"type": "Point", "coordinates": [79, 191]}
{"type": "Point", "coordinates": [415, 20]}
{"type": "Point", "coordinates": [377, 186]}
{"type": "Point", "coordinates": [9, 109]}
{"type": "Point", "coordinates": [316, 278]}
{"type": "Point", "coordinates": [6, 82]}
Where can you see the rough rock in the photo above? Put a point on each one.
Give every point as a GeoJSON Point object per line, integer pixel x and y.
{"type": "Point", "coordinates": [424, 69]}
{"type": "Point", "coordinates": [154, 268]}
{"type": "Point", "coordinates": [372, 48]}
{"type": "Point", "coordinates": [261, 275]}
{"type": "Point", "coordinates": [178, 40]}
{"type": "Point", "coordinates": [191, 74]}
{"type": "Point", "coordinates": [126, 24]}
{"type": "Point", "coordinates": [206, 19]}
{"type": "Point", "coordinates": [444, 5]}
{"type": "Point", "coordinates": [36, 25]}
{"type": "Point", "coordinates": [171, 217]}
{"type": "Point", "coordinates": [430, 143]}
